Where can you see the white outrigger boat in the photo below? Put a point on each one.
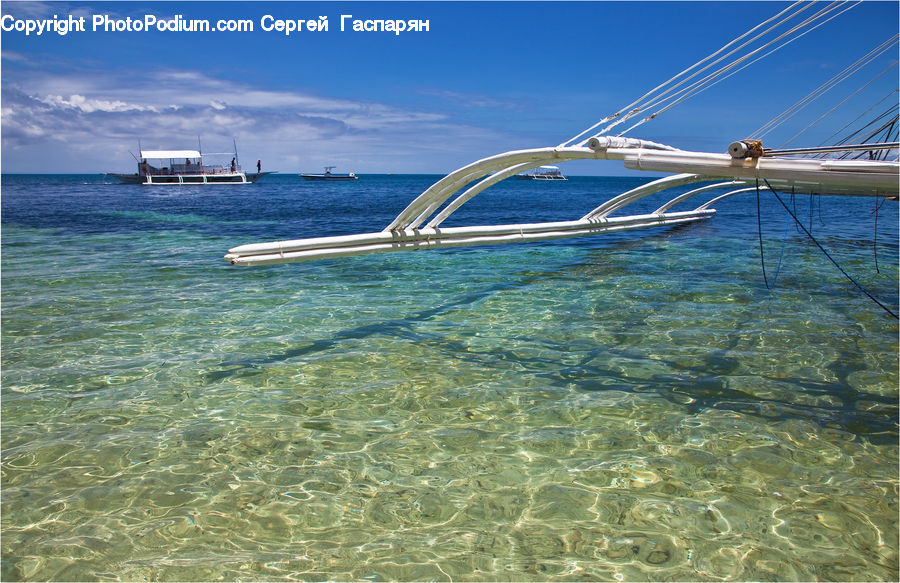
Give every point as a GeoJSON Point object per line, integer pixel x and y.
{"type": "Point", "coordinates": [542, 173]}
{"type": "Point", "coordinates": [746, 167]}
{"type": "Point", "coordinates": [186, 167]}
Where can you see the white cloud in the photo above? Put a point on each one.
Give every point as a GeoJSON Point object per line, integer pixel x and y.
{"type": "Point", "coordinates": [91, 105]}
{"type": "Point", "coordinates": [471, 99]}
{"type": "Point", "coordinates": [98, 115]}
{"type": "Point", "coordinates": [14, 56]}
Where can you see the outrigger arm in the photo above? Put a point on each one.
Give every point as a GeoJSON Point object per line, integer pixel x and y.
{"type": "Point", "coordinates": [407, 233]}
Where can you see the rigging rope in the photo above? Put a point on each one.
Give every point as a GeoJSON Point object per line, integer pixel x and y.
{"type": "Point", "coordinates": [875, 233]}
{"type": "Point", "coordinates": [822, 249]}
{"type": "Point", "coordinates": [888, 127]}
{"type": "Point", "coordinates": [833, 109]}
{"type": "Point", "coordinates": [783, 242]}
{"type": "Point", "coordinates": [864, 114]}
{"type": "Point", "coordinates": [824, 88]}
{"type": "Point", "coordinates": [634, 107]}
{"type": "Point", "coordinates": [762, 257]}
{"type": "Point", "coordinates": [659, 98]}
{"type": "Point", "coordinates": [665, 96]}
{"type": "Point", "coordinates": [711, 79]}
{"type": "Point", "coordinates": [719, 75]}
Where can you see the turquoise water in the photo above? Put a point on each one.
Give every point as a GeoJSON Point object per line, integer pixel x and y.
{"type": "Point", "coordinates": [627, 408]}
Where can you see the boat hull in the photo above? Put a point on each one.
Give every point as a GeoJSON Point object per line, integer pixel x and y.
{"type": "Point", "coordinates": [127, 178]}
{"type": "Point", "coordinates": [332, 177]}
{"type": "Point", "coordinates": [190, 179]}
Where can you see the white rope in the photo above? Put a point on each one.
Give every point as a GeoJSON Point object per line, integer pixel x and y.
{"type": "Point", "coordinates": [715, 78]}
{"type": "Point", "coordinates": [862, 115]}
{"type": "Point", "coordinates": [693, 88]}
{"type": "Point", "coordinates": [824, 88]}
{"type": "Point", "coordinates": [803, 6]}
{"type": "Point", "coordinates": [836, 107]}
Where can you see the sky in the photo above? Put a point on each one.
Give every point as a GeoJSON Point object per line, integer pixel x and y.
{"type": "Point", "coordinates": [485, 78]}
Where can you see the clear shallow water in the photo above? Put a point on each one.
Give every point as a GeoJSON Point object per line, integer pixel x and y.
{"type": "Point", "coordinates": [636, 407]}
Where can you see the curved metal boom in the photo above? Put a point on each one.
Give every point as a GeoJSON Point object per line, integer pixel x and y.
{"type": "Point", "coordinates": [406, 233]}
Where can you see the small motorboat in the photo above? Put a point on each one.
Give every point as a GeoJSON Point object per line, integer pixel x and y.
{"type": "Point", "coordinates": [329, 175]}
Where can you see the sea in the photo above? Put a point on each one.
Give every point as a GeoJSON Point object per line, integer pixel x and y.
{"type": "Point", "coordinates": [712, 402]}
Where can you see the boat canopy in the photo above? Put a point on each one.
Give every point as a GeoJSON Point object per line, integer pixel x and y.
{"type": "Point", "coordinates": [163, 154]}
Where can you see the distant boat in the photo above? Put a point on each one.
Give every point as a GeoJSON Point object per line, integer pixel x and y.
{"type": "Point", "coordinates": [542, 173]}
{"type": "Point", "coordinates": [185, 167]}
{"type": "Point", "coordinates": [329, 175]}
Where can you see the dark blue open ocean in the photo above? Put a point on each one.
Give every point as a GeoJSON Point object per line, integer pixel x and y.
{"type": "Point", "coordinates": [621, 408]}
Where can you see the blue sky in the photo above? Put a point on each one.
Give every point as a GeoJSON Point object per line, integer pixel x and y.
{"type": "Point", "coordinates": [485, 78]}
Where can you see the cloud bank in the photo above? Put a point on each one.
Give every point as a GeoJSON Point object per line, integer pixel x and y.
{"type": "Point", "coordinates": [87, 120]}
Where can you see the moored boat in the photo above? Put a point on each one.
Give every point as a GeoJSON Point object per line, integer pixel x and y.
{"type": "Point", "coordinates": [542, 173]}
{"type": "Point", "coordinates": [329, 175]}
{"type": "Point", "coordinates": [186, 167]}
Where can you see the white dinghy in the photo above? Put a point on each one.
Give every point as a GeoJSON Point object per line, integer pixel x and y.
{"type": "Point", "coordinates": [866, 168]}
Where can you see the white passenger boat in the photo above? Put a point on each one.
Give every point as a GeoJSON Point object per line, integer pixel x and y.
{"type": "Point", "coordinates": [186, 167]}
{"type": "Point", "coordinates": [542, 173]}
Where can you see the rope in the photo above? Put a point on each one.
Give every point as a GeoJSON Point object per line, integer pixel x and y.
{"type": "Point", "coordinates": [811, 195]}
{"type": "Point", "coordinates": [822, 249]}
{"type": "Point", "coordinates": [634, 104]}
{"type": "Point", "coordinates": [711, 79]}
{"type": "Point", "coordinates": [659, 98]}
{"type": "Point", "coordinates": [645, 101]}
{"type": "Point", "coordinates": [875, 233]}
{"type": "Point", "coordinates": [828, 140]}
{"type": "Point", "coordinates": [762, 257]}
{"type": "Point", "coordinates": [824, 88]}
{"type": "Point", "coordinates": [890, 130]}
{"type": "Point", "coordinates": [887, 127]}
{"type": "Point", "coordinates": [867, 138]}
{"type": "Point", "coordinates": [821, 220]}
{"type": "Point", "coordinates": [832, 110]}
{"type": "Point", "coordinates": [783, 242]}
